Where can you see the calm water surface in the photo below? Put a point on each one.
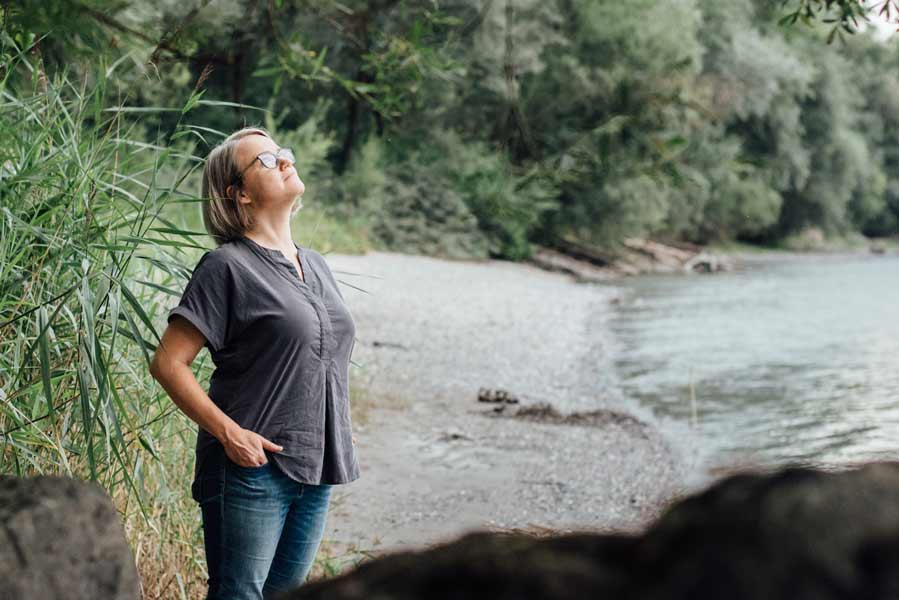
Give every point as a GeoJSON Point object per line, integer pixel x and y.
{"type": "Point", "coordinates": [790, 359]}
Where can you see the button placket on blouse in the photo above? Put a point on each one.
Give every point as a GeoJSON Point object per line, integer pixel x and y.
{"type": "Point", "coordinates": [306, 286]}
{"type": "Point", "coordinates": [324, 320]}
{"type": "Point", "coordinates": [327, 343]}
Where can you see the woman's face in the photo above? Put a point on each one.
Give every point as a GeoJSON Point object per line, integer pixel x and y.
{"type": "Point", "coordinates": [266, 186]}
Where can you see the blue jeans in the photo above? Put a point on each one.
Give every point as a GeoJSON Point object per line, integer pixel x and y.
{"type": "Point", "coordinates": [261, 529]}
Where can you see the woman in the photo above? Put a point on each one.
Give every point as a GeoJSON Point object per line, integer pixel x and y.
{"type": "Point", "coordinates": [274, 430]}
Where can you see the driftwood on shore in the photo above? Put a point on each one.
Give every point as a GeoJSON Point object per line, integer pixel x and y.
{"type": "Point", "coordinates": [635, 256]}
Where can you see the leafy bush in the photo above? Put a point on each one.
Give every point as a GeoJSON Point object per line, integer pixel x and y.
{"type": "Point", "coordinates": [506, 202]}
{"type": "Point", "coordinates": [422, 214]}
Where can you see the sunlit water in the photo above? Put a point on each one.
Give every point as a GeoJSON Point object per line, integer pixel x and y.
{"type": "Point", "coordinates": [790, 359]}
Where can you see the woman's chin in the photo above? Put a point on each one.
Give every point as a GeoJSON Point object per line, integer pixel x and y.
{"type": "Point", "coordinates": [295, 187]}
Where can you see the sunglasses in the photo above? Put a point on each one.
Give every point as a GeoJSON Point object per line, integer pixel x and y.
{"type": "Point", "coordinates": [269, 160]}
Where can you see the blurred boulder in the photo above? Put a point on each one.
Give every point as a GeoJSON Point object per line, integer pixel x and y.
{"type": "Point", "coordinates": [796, 534]}
{"type": "Point", "coordinates": [62, 538]}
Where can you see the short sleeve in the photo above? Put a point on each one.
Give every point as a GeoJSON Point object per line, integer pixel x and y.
{"type": "Point", "coordinates": [207, 300]}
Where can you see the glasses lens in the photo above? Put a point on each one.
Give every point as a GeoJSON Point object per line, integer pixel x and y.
{"type": "Point", "coordinates": [287, 154]}
{"type": "Point", "coordinates": [268, 160]}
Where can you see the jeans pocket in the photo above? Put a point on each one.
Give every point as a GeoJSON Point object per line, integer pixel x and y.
{"type": "Point", "coordinates": [248, 478]}
{"type": "Point", "coordinates": [207, 488]}
{"type": "Point", "coordinates": [253, 469]}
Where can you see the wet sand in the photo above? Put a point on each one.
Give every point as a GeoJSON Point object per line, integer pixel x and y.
{"type": "Point", "coordinates": [436, 462]}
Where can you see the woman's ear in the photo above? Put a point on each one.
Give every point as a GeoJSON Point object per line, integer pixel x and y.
{"type": "Point", "coordinates": [237, 193]}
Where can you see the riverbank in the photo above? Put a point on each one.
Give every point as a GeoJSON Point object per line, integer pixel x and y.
{"type": "Point", "coordinates": [811, 242]}
{"type": "Point", "coordinates": [436, 462]}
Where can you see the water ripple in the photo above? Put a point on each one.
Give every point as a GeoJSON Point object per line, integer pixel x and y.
{"type": "Point", "coordinates": [789, 360]}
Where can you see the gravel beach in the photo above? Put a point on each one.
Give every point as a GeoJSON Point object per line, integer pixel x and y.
{"type": "Point", "coordinates": [436, 462]}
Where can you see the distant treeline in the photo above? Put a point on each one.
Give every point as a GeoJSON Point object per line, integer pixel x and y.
{"type": "Point", "coordinates": [480, 127]}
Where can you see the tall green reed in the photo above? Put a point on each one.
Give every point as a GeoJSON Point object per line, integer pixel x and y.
{"type": "Point", "coordinates": [95, 247]}
{"type": "Point", "coordinates": [89, 262]}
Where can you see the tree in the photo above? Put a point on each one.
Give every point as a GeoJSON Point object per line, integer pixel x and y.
{"type": "Point", "coordinates": [846, 15]}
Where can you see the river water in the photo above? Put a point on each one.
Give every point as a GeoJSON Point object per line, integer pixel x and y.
{"type": "Point", "coordinates": [790, 359]}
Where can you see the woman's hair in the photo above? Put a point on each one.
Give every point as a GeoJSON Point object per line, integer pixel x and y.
{"type": "Point", "coordinates": [223, 216]}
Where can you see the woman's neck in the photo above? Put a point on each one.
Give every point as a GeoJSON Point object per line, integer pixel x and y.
{"type": "Point", "coordinates": [271, 235]}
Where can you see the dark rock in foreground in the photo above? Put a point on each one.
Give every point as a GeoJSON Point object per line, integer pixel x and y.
{"type": "Point", "coordinates": [61, 538]}
{"type": "Point", "coordinates": [799, 534]}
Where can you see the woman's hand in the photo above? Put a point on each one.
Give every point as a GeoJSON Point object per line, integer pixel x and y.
{"type": "Point", "coordinates": [247, 448]}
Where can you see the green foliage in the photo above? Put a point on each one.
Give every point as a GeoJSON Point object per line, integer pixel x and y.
{"type": "Point", "coordinates": [646, 37]}
{"type": "Point", "coordinates": [408, 205]}
{"type": "Point", "coordinates": [311, 142]}
{"type": "Point", "coordinates": [617, 124]}
{"type": "Point", "coordinates": [746, 207]}
{"type": "Point", "coordinates": [424, 216]}
{"type": "Point", "coordinates": [514, 35]}
{"type": "Point", "coordinates": [507, 203]}
{"type": "Point", "coordinates": [846, 173]}
{"type": "Point", "coordinates": [846, 15]}
{"type": "Point", "coordinates": [363, 185]}
{"type": "Point", "coordinates": [699, 120]}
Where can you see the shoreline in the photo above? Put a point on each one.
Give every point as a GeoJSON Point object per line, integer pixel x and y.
{"type": "Point", "coordinates": [435, 463]}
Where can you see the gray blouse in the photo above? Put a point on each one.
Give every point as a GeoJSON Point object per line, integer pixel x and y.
{"type": "Point", "coordinates": [281, 349]}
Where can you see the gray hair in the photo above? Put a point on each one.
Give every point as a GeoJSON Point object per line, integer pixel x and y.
{"type": "Point", "coordinates": [223, 216]}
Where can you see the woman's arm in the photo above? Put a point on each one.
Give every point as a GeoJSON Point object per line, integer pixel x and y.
{"type": "Point", "coordinates": [180, 344]}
